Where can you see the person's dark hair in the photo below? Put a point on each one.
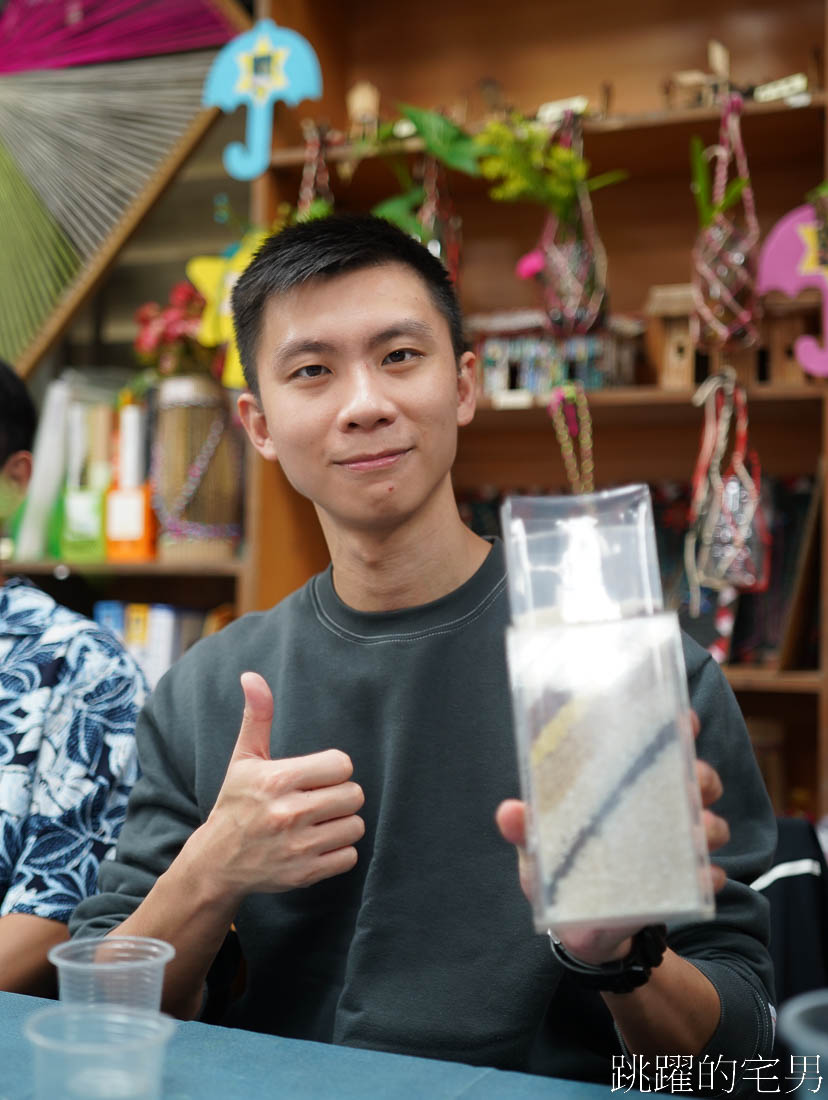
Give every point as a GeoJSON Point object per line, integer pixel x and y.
{"type": "Point", "coordinates": [18, 418]}
{"type": "Point", "coordinates": [327, 247]}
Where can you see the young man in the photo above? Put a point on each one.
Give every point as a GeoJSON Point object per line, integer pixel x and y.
{"type": "Point", "coordinates": [69, 697]}
{"type": "Point", "coordinates": [347, 827]}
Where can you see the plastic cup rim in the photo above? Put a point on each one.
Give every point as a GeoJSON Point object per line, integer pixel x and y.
{"type": "Point", "coordinates": [163, 952]}
{"type": "Point", "coordinates": [795, 1009]}
{"type": "Point", "coordinates": [164, 1026]}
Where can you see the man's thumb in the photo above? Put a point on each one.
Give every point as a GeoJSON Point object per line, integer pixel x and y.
{"type": "Point", "coordinates": [511, 820]}
{"type": "Point", "coordinates": [254, 735]}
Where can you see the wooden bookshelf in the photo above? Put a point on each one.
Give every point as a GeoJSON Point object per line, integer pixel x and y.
{"type": "Point", "coordinates": [62, 569]}
{"type": "Point", "coordinates": [648, 225]}
{"type": "Point", "coordinates": [743, 678]}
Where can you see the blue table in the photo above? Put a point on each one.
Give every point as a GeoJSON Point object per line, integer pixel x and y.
{"type": "Point", "coordinates": [213, 1063]}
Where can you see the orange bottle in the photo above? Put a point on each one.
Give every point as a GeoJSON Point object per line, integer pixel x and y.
{"type": "Point", "coordinates": [130, 521]}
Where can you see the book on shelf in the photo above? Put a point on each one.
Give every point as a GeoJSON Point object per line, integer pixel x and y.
{"type": "Point", "coordinates": [156, 634]}
{"type": "Point", "coordinates": [777, 628]}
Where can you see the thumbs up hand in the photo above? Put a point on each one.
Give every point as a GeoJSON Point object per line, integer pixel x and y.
{"type": "Point", "coordinates": [279, 824]}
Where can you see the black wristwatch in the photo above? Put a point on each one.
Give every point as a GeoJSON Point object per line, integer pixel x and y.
{"type": "Point", "coordinates": [620, 975]}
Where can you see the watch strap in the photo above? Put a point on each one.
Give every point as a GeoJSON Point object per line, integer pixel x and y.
{"type": "Point", "coordinates": [620, 975]}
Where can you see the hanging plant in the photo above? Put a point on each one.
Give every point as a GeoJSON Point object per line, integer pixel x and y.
{"type": "Point", "coordinates": [725, 253]}
{"type": "Point", "coordinates": [424, 209]}
{"type": "Point", "coordinates": [702, 186]}
{"type": "Point", "coordinates": [532, 163]}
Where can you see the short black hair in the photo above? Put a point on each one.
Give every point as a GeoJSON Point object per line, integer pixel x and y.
{"type": "Point", "coordinates": [18, 418]}
{"type": "Point", "coordinates": [327, 247]}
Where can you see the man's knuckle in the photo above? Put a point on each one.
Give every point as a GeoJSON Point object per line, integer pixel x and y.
{"type": "Point", "coordinates": [283, 819]}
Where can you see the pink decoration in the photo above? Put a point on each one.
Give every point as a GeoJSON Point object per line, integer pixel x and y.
{"type": "Point", "coordinates": [530, 265]}
{"type": "Point", "coordinates": [61, 33]}
{"type": "Point", "coordinates": [790, 262]}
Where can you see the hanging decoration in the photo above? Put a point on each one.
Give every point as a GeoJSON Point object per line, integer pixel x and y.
{"type": "Point", "coordinates": [263, 65]}
{"type": "Point", "coordinates": [424, 207]}
{"type": "Point", "coordinates": [441, 223]}
{"type": "Point", "coordinates": [315, 195]}
{"type": "Point", "coordinates": [728, 542]}
{"type": "Point", "coordinates": [569, 411]}
{"type": "Point", "coordinates": [84, 152]}
{"type": "Point", "coordinates": [725, 253]}
{"type": "Point", "coordinates": [544, 164]}
{"type": "Point", "coordinates": [794, 257]}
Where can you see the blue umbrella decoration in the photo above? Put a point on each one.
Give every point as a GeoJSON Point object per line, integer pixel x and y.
{"type": "Point", "coordinates": [255, 69]}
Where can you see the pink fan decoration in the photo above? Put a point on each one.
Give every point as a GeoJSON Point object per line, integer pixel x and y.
{"type": "Point", "coordinates": [100, 104]}
{"type": "Point", "coordinates": [60, 33]}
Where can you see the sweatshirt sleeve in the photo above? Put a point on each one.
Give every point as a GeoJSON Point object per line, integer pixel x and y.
{"type": "Point", "coordinates": [161, 815]}
{"type": "Point", "coordinates": [732, 949]}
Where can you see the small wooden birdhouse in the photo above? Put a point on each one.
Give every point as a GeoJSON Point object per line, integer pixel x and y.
{"type": "Point", "coordinates": [668, 343]}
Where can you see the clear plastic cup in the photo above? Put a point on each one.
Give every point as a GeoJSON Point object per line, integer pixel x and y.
{"type": "Point", "coordinates": [588, 558]}
{"type": "Point", "coordinates": [606, 758]}
{"type": "Point", "coordinates": [84, 1052]}
{"type": "Point", "coordinates": [112, 970]}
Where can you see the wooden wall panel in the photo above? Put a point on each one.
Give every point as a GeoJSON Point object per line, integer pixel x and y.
{"type": "Point", "coordinates": [435, 51]}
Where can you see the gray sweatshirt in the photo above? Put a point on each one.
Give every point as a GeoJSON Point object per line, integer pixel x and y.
{"type": "Point", "coordinates": [426, 947]}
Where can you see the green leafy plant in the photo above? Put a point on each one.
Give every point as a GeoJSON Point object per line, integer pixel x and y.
{"type": "Point", "coordinates": [532, 166]}
{"type": "Point", "coordinates": [444, 140]}
{"type": "Point", "coordinates": [702, 187]}
{"type": "Point", "coordinates": [402, 210]}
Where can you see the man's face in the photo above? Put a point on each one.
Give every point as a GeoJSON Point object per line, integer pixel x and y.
{"type": "Point", "coordinates": [361, 396]}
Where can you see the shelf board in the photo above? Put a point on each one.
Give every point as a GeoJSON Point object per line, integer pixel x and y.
{"type": "Point", "coordinates": [644, 404]}
{"type": "Point", "coordinates": [293, 156]}
{"type": "Point", "coordinates": [61, 570]}
{"type": "Point", "coordinates": [180, 250]}
{"type": "Point", "coordinates": [815, 100]}
{"type": "Point", "coordinates": [801, 682]}
{"type": "Point", "coordinates": [641, 433]}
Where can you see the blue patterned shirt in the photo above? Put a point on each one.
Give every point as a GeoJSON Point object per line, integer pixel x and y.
{"type": "Point", "coordinates": [69, 698]}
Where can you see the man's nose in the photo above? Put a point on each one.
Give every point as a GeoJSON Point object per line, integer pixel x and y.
{"type": "Point", "coordinates": [365, 401]}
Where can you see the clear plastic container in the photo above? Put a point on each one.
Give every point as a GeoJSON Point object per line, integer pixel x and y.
{"type": "Point", "coordinates": [803, 1025]}
{"type": "Point", "coordinates": [115, 970]}
{"type": "Point", "coordinates": [587, 558]}
{"type": "Point", "coordinates": [602, 720]}
{"type": "Point", "coordinates": [84, 1052]}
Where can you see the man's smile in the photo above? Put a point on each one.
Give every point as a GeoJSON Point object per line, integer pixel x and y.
{"type": "Point", "coordinates": [380, 460]}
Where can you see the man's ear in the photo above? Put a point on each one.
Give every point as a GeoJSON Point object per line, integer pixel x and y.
{"type": "Point", "coordinates": [18, 469]}
{"type": "Point", "coordinates": [255, 424]}
{"type": "Point", "coordinates": [466, 387]}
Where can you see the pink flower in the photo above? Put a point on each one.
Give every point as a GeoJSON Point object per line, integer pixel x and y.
{"type": "Point", "coordinates": [146, 312]}
{"type": "Point", "coordinates": [149, 336]}
{"type": "Point", "coordinates": [530, 265]}
{"type": "Point", "coordinates": [183, 294]}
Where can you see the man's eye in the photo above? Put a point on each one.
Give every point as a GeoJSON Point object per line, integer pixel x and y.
{"type": "Point", "coordinates": [315, 370]}
{"type": "Point", "coordinates": [401, 355]}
